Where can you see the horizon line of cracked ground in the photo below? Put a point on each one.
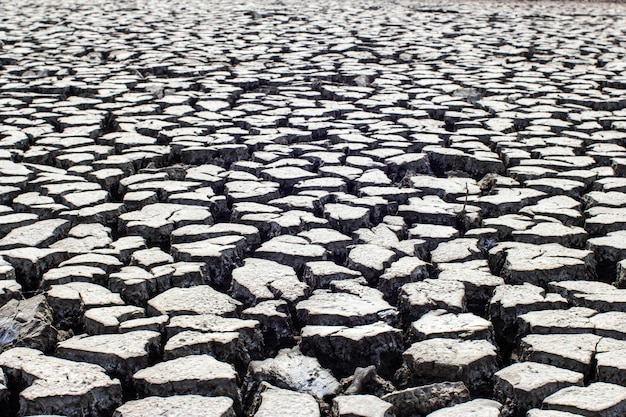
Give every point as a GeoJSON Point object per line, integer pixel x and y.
{"type": "Point", "coordinates": [362, 208]}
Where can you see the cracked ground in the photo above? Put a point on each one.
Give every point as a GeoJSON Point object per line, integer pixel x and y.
{"type": "Point", "coordinates": [292, 208]}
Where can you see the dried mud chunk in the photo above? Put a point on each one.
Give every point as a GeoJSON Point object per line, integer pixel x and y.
{"type": "Point", "coordinates": [520, 263]}
{"type": "Point", "coordinates": [178, 406]}
{"type": "Point", "coordinates": [290, 369]}
{"type": "Point", "coordinates": [196, 374]}
{"type": "Point", "coordinates": [456, 250]}
{"type": "Point", "coordinates": [59, 386]}
{"type": "Point", "coordinates": [449, 189]}
{"type": "Point", "coordinates": [225, 346]}
{"type": "Point", "coordinates": [433, 210]}
{"type": "Point", "coordinates": [291, 250]}
{"type": "Point", "coordinates": [120, 354]}
{"type": "Point", "coordinates": [433, 234]}
{"type": "Point", "coordinates": [403, 271]}
{"type": "Point", "coordinates": [287, 176]}
{"type": "Point", "coordinates": [251, 191]}
{"type": "Point", "coordinates": [418, 298]}
{"type": "Point", "coordinates": [346, 219]}
{"type": "Point", "coordinates": [370, 260]}
{"type": "Point", "coordinates": [572, 320]}
{"type": "Point", "coordinates": [360, 406]}
{"type": "Point", "coordinates": [598, 399]}
{"type": "Point", "coordinates": [442, 324]}
{"type": "Point", "coordinates": [336, 308]}
{"type": "Point", "coordinates": [67, 274]}
{"type": "Point", "coordinates": [345, 348]}
{"type": "Point", "coordinates": [552, 232]}
{"type": "Point", "coordinates": [274, 401]}
{"type": "Point", "coordinates": [219, 255]}
{"type": "Point", "coordinates": [472, 362]}
{"type": "Point", "coordinates": [194, 300]}
{"type": "Point", "coordinates": [260, 280]}
{"type": "Point", "coordinates": [522, 386]}
{"type": "Point", "coordinates": [569, 351]}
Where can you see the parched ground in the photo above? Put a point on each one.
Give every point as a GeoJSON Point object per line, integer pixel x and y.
{"type": "Point", "coordinates": [322, 208]}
